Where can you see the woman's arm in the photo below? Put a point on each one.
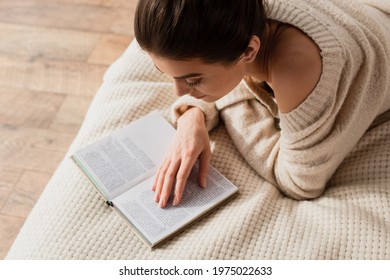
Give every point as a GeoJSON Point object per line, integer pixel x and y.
{"type": "Point", "coordinates": [300, 171]}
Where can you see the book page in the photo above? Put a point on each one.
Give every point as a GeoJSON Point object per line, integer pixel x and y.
{"type": "Point", "coordinates": [126, 157]}
{"type": "Point", "coordinates": [155, 223]}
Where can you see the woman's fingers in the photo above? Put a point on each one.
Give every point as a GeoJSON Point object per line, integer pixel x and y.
{"type": "Point", "coordinates": [168, 183]}
{"type": "Point", "coordinates": [190, 143]}
{"type": "Point", "coordinates": [181, 179]}
{"type": "Point", "coordinates": [160, 180]}
{"type": "Point", "coordinates": [156, 177]}
{"type": "Point", "coordinates": [180, 170]}
{"type": "Point", "coordinates": [204, 163]}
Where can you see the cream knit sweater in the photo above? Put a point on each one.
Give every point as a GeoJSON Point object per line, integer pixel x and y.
{"type": "Point", "coordinates": [299, 151]}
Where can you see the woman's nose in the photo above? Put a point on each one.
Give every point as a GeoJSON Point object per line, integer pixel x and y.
{"type": "Point", "coordinates": [181, 88]}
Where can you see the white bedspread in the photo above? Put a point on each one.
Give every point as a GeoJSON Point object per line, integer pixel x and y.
{"type": "Point", "coordinates": [350, 221]}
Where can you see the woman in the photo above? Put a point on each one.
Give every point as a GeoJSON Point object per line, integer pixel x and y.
{"type": "Point", "coordinates": [297, 83]}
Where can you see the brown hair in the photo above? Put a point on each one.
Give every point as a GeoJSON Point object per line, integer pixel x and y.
{"type": "Point", "coordinates": [212, 30]}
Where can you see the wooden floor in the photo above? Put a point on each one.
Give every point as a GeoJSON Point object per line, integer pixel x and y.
{"type": "Point", "coordinates": [53, 54]}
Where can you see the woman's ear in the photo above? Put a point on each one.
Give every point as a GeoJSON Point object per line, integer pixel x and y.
{"type": "Point", "coordinates": [252, 49]}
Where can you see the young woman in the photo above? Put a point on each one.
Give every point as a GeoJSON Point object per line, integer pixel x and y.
{"type": "Point", "coordinates": [297, 83]}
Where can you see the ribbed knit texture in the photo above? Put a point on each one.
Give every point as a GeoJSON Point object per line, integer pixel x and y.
{"type": "Point", "coordinates": [349, 221]}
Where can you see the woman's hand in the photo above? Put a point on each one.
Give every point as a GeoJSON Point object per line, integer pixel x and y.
{"type": "Point", "coordinates": [191, 142]}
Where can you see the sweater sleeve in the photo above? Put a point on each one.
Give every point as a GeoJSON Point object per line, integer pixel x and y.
{"type": "Point", "coordinates": [182, 104]}
{"type": "Point", "coordinates": [211, 110]}
{"type": "Point", "coordinates": [300, 170]}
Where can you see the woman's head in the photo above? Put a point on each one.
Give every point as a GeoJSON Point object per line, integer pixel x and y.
{"type": "Point", "coordinates": [204, 45]}
{"type": "Point", "coordinates": [210, 30]}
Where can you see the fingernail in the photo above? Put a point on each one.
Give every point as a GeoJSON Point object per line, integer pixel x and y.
{"type": "Point", "coordinates": [156, 197]}
{"type": "Point", "coordinates": [203, 182]}
{"type": "Point", "coordinates": [176, 201]}
{"type": "Point", "coordinates": [162, 203]}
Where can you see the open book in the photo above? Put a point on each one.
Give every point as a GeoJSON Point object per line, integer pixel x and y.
{"type": "Point", "coordinates": [122, 167]}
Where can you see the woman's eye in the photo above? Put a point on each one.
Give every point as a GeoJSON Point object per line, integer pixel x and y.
{"type": "Point", "coordinates": [192, 83]}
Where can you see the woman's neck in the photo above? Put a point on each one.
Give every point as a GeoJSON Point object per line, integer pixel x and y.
{"type": "Point", "coordinates": [260, 67]}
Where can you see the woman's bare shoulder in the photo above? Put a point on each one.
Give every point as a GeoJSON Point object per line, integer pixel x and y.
{"type": "Point", "coordinates": [296, 68]}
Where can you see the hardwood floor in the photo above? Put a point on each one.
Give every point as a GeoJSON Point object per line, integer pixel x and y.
{"type": "Point", "coordinates": [53, 54]}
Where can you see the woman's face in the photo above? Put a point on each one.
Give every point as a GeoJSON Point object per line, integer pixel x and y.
{"type": "Point", "coordinates": [208, 82]}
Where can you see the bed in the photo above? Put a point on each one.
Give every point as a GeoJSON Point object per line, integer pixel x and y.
{"type": "Point", "coordinates": [350, 220]}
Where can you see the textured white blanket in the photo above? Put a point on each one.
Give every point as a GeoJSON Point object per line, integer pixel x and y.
{"type": "Point", "coordinates": [349, 221]}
